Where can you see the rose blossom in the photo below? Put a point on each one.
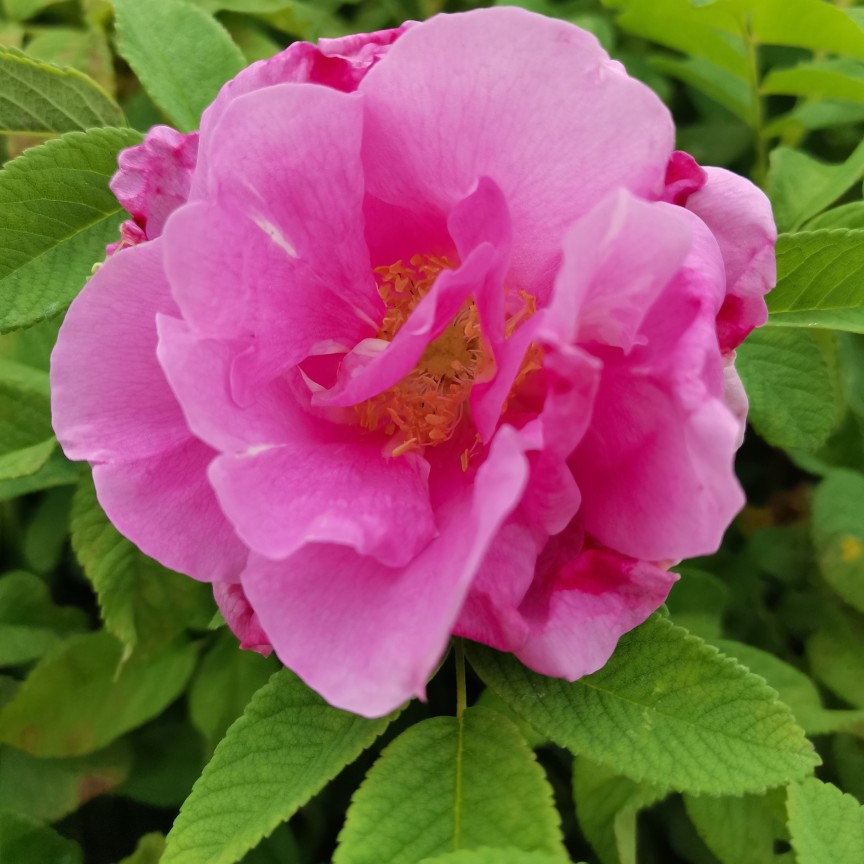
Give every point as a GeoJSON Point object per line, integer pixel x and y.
{"type": "Point", "coordinates": [428, 332]}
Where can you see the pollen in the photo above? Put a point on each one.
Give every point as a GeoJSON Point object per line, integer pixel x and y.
{"type": "Point", "coordinates": [425, 408]}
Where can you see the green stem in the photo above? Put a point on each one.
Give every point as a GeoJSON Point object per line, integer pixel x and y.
{"type": "Point", "coordinates": [757, 119]}
{"type": "Point", "coordinates": [461, 696]}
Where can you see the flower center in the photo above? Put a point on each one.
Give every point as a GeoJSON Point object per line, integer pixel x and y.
{"type": "Point", "coordinates": [428, 403]}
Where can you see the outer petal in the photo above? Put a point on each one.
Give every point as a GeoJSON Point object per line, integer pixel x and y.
{"type": "Point", "coordinates": [240, 617]}
{"type": "Point", "coordinates": [110, 399]}
{"type": "Point", "coordinates": [549, 120]}
{"type": "Point", "coordinates": [347, 494]}
{"type": "Point", "coordinates": [366, 636]}
{"type": "Point", "coordinates": [739, 215]}
{"type": "Point", "coordinates": [165, 506]}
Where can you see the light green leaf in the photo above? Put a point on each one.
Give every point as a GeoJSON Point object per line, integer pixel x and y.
{"type": "Point", "coordinates": [26, 436]}
{"type": "Point", "coordinates": [30, 623]}
{"type": "Point", "coordinates": [827, 826]}
{"type": "Point", "coordinates": [85, 50]}
{"type": "Point", "coordinates": [792, 381]}
{"type": "Point", "coordinates": [20, 10]}
{"type": "Point", "coordinates": [287, 746]}
{"type": "Point", "coordinates": [811, 116]}
{"type": "Point", "coordinates": [56, 216]}
{"type": "Point", "coordinates": [667, 709]}
{"type": "Point", "coordinates": [607, 807]}
{"type": "Point", "coordinates": [844, 216]}
{"type": "Point", "coordinates": [27, 460]}
{"type": "Point", "coordinates": [835, 650]}
{"type": "Point", "coordinates": [448, 784]}
{"type": "Point", "coordinates": [800, 186]}
{"type": "Point", "coordinates": [142, 603]}
{"type": "Point", "coordinates": [26, 841]}
{"type": "Point", "coordinates": [57, 471]}
{"type": "Point", "coordinates": [740, 830]}
{"type": "Point", "coordinates": [823, 79]}
{"type": "Point", "coordinates": [49, 789]}
{"type": "Point", "coordinates": [838, 533]}
{"type": "Point", "coordinates": [727, 89]}
{"type": "Point", "coordinates": [805, 24]}
{"type": "Point", "coordinates": [495, 856]}
{"type": "Point", "coordinates": [181, 55]}
{"type": "Point", "coordinates": [149, 850]}
{"type": "Point", "coordinates": [78, 699]}
{"type": "Point", "coordinates": [39, 98]}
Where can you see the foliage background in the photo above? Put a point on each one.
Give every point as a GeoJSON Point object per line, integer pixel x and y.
{"type": "Point", "coordinates": [117, 682]}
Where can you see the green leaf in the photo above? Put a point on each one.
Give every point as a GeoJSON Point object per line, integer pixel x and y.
{"type": "Point", "coordinates": [838, 533]}
{"type": "Point", "coordinates": [805, 24]}
{"type": "Point", "coordinates": [667, 709]}
{"type": "Point", "coordinates": [448, 784]}
{"type": "Point", "coordinates": [26, 436]}
{"type": "Point", "coordinates": [727, 89]}
{"type": "Point", "coordinates": [56, 216]}
{"type": "Point", "coordinates": [848, 752]}
{"type": "Point", "coordinates": [827, 826]}
{"type": "Point", "coordinates": [607, 807]}
{"type": "Point", "coordinates": [85, 50]}
{"type": "Point", "coordinates": [181, 55]}
{"type": "Point", "coordinates": [495, 856]}
{"type": "Point", "coordinates": [57, 471]}
{"type": "Point", "coordinates": [142, 603]}
{"type": "Point", "coordinates": [794, 687]}
{"type": "Point", "coordinates": [822, 79]}
{"type": "Point", "coordinates": [844, 216]}
{"type": "Point", "coordinates": [225, 682]}
{"type": "Point", "coordinates": [26, 841]}
{"type": "Point", "coordinates": [286, 747]}
{"type": "Point", "coordinates": [19, 10]}
{"type": "Point", "coordinates": [49, 789]}
{"type": "Point", "coordinates": [30, 623]}
{"type": "Point", "coordinates": [740, 830]}
{"type": "Point", "coordinates": [79, 699]}
{"type": "Point", "coordinates": [697, 602]}
{"type": "Point", "coordinates": [149, 850]}
{"type": "Point", "coordinates": [835, 650]}
{"type": "Point", "coordinates": [800, 186]}
{"type": "Point", "coordinates": [40, 98]}
{"type": "Point", "coordinates": [792, 381]}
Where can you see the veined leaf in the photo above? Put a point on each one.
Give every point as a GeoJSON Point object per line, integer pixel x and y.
{"type": "Point", "coordinates": [827, 826]}
{"type": "Point", "coordinates": [181, 54]}
{"type": "Point", "coordinates": [448, 784]}
{"type": "Point", "coordinates": [40, 98]}
{"type": "Point", "coordinates": [667, 709]}
{"type": "Point", "coordinates": [287, 746]}
{"type": "Point", "coordinates": [56, 216]}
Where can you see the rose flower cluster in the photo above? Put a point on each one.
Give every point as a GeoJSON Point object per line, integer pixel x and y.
{"type": "Point", "coordinates": [426, 332]}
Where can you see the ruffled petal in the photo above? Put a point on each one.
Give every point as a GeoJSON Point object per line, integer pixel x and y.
{"type": "Point", "coordinates": [110, 400]}
{"type": "Point", "coordinates": [366, 636]}
{"type": "Point", "coordinates": [549, 120]}
{"type": "Point", "coordinates": [166, 507]}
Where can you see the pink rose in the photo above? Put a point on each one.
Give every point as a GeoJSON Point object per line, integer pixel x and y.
{"type": "Point", "coordinates": [428, 332]}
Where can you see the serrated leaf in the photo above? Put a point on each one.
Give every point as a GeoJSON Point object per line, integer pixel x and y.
{"type": "Point", "coordinates": [287, 746]}
{"type": "Point", "coordinates": [495, 856]}
{"type": "Point", "coordinates": [800, 186]}
{"type": "Point", "coordinates": [49, 789]}
{"type": "Point", "coordinates": [26, 841]}
{"type": "Point", "coordinates": [792, 382]}
{"type": "Point", "coordinates": [448, 784]}
{"type": "Point", "coordinates": [225, 682]}
{"type": "Point", "coordinates": [39, 98]}
{"type": "Point", "coordinates": [181, 55]}
{"type": "Point", "coordinates": [79, 699]}
{"type": "Point", "coordinates": [741, 830]}
{"type": "Point", "coordinates": [607, 807]}
{"type": "Point", "coordinates": [667, 709]}
{"type": "Point", "coordinates": [142, 603]}
{"type": "Point", "coordinates": [838, 534]}
{"type": "Point", "coordinates": [827, 826]}
{"type": "Point", "coordinates": [835, 650]}
{"type": "Point", "coordinates": [56, 216]}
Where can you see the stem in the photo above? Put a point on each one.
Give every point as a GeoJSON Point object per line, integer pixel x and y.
{"type": "Point", "coordinates": [757, 120]}
{"type": "Point", "coordinates": [461, 697]}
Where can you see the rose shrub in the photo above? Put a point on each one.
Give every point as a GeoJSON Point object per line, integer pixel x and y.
{"type": "Point", "coordinates": [428, 331]}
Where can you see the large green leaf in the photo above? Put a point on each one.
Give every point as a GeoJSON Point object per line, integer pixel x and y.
{"type": "Point", "coordinates": [287, 746]}
{"type": "Point", "coordinates": [804, 24]}
{"type": "Point", "coordinates": [793, 384]}
{"type": "Point", "coordinates": [827, 826]}
{"type": "Point", "coordinates": [838, 533]}
{"type": "Point", "coordinates": [56, 216]}
{"type": "Point", "coordinates": [845, 216]}
{"type": "Point", "coordinates": [181, 54]}
{"type": "Point", "coordinates": [79, 698]}
{"type": "Point", "coordinates": [41, 98]}
{"type": "Point", "coordinates": [142, 603]}
{"type": "Point", "coordinates": [668, 709]}
{"type": "Point", "coordinates": [26, 841]}
{"type": "Point", "coordinates": [607, 807]}
{"type": "Point", "coordinates": [448, 784]}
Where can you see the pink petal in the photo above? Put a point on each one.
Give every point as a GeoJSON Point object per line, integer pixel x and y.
{"type": "Point", "coordinates": [165, 506]}
{"type": "Point", "coordinates": [110, 399]}
{"type": "Point", "coordinates": [365, 636]}
{"type": "Point", "coordinates": [310, 492]}
{"type": "Point", "coordinates": [240, 617]}
{"type": "Point", "coordinates": [550, 120]}
{"type": "Point", "coordinates": [684, 176]}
